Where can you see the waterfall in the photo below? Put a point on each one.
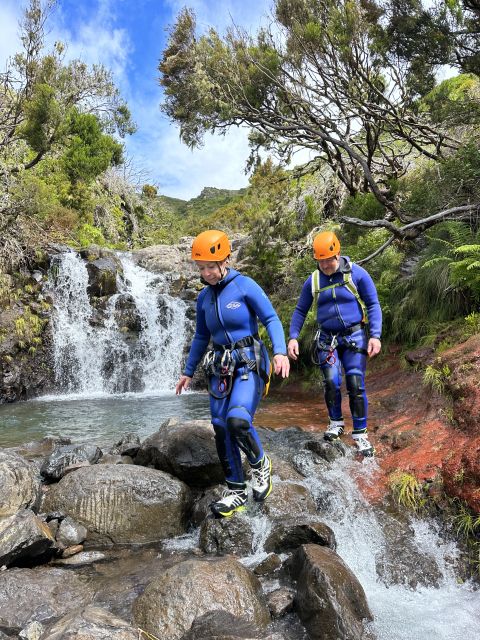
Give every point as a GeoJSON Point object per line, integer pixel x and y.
{"type": "Point", "coordinates": [93, 353]}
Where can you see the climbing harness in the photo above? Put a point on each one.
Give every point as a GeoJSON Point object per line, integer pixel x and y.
{"type": "Point", "coordinates": [220, 363]}
{"type": "Point", "coordinates": [321, 346]}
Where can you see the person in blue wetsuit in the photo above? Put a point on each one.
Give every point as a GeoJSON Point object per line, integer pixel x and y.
{"type": "Point", "coordinates": [237, 366]}
{"type": "Point", "coordinates": [346, 304]}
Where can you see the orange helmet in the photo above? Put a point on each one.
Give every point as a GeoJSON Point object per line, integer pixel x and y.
{"type": "Point", "coordinates": [211, 245]}
{"type": "Point", "coordinates": [325, 245]}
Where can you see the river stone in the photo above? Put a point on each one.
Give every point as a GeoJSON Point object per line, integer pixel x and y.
{"type": "Point", "coordinates": [91, 623]}
{"type": "Point", "coordinates": [190, 589]}
{"type": "Point", "coordinates": [102, 276]}
{"type": "Point", "coordinates": [280, 601]}
{"type": "Point", "coordinates": [222, 625]}
{"type": "Point", "coordinates": [54, 467]}
{"type": "Point", "coordinates": [330, 601]}
{"type": "Point", "coordinates": [122, 504]}
{"type": "Point", "coordinates": [128, 445]}
{"type": "Point", "coordinates": [43, 595]}
{"type": "Point", "coordinates": [32, 631]}
{"type": "Point", "coordinates": [186, 450]}
{"type": "Point", "coordinates": [23, 536]}
{"type": "Point", "coordinates": [41, 448]}
{"type": "Point", "coordinates": [288, 534]}
{"type": "Point", "coordinates": [288, 499]}
{"type": "Point", "coordinates": [19, 483]}
{"type": "Point", "coordinates": [70, 533]}
{"type": "Point", "coordinates": [268, 565]}
{"type": "Point", "coordinates": [227, 535]}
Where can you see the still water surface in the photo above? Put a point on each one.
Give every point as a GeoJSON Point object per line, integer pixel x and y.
{"type": "Point", "coordinates": [100, 421]}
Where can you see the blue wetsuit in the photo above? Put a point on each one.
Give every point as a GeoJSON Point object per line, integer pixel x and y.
{"type": "Point", "coordinates": [339, 314]}
{"type": "Point", "coordinates": [227, 313]}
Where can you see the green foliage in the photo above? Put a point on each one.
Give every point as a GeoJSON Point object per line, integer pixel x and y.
{"type": "Point", "coordinates": [454, 101]}
{"type": "Point", "coordinates": [89, 234]}
{"type": "Point", "coordinates": [149, 191]}
{"type": "Point", "coordinates": [407, 490]}
{"type": "Point", "coordinates": [89, 152]}
{"type": "Point", "coordinates": [437, 378]}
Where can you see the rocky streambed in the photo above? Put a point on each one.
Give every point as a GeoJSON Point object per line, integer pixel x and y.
{"type": "Point", "coordinates": [120, 543]}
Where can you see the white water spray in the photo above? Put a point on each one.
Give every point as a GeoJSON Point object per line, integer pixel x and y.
{"type": "Point", "coordinates": [95, 356]}
{"type": "Point", "coordinates": [439, 609]}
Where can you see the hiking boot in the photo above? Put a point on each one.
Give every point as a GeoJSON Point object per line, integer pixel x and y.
{"type": "Point", "coordinates": [334, 430]}
{"type": "Point", "coordinates": [363, 444]}
{"type": "Point", "coordinates": [262, 479]}
{"type": "Point", "coordinates": [232, 500]}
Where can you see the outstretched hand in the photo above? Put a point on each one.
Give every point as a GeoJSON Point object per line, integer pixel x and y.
{"type": "Point", "coordinates": [183, 384]}
{"type": "Point", "coordinates": [281, 365]}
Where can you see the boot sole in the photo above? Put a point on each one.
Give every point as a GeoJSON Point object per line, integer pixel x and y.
{"type": "Point", "coordinates": [227, 514]}
{"type": "Point", "coordinates": [330, 438]}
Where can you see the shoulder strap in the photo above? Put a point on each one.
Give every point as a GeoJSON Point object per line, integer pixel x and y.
{"type": "Point", "coordinates": [347, 282]}
{"type": "Point", "coordinates": [350, 285]}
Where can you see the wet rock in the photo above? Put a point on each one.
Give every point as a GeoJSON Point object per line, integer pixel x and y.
{"type": "Point", "coordinates": [420, 357]}
{"type": "Point", "coordinates": [227, 535]}
{"type": "Point", "coordinates": [190, 589]}
{"type": "Point", "coordinates": [42, 448]}
{"type": "Point", "coordinates": [42, 595]}
{"type": "Point", "coordinates": [81, 558]}
{"type": "Point", "coordinates": [122, 503]}
{"type": "Point", "coordinates": [70, 533]}
{"type": "Point", "coordinates": [126, 314]}
{"type": "Point", "coordinates": [19, 483]}
{"type": "Point", "coordinates": [267, 566]}
{"type": "Point", "coordinates": [32, 631]}
{"type": "Point", "coordinates": [282, 469]}
{"type": "Point", "coordinates": [280, 601]}
{"type": "Point", "coordinates": [102, 276]}
{"type": "Point", "coordinates": [23, 536]}
{"type": "Point", "coordinates": [330, 601]}
{"type": "Point", "coordinates": [109, 458]}
{"type": "Point", "coordinates": [288, 499]}
{"type": "Point", "coordinates": [128, 445]}
{"type": "Point", "coordinates": [202, 501]}
{"type": "Point", "coordinates": [71, 551]}
{"type": "Point", "coordinates": [91, 623]}
{"type": "Point", "coordinates": [222, 625]}
{"type": "Point", "coordinates": [186, 450]}
{"type": "Point", "coordinates": [288, 534]}
{"type": "Point", "coordinates": [328, 451]}
{"type": "Point", "coordinates": [62, 457]}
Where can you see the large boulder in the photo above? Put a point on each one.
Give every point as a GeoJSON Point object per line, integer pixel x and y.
{"type": "Point", "coordinates": [184, 449]}
{"type": "Point", "coordinates": [227, 535]}
{"type": "Point", "coordinates": [287, 534]}
{"type": "Point", "coordinates": [91, 623]}
{"type": "Point", "coordinates": [19, 483]}
{"type": "Point", "coordinates": [190, 589]}
{"type": "Point", "coordinates": [102, 276]}
{"type": "Point", "coordinates": [23, 536]}
{"type": "Point", "coordinates": [41, 595]}
{"type": "Point", "coordinates": [330, 601]}
{"type": "Point", "coordinates": [122, 503]}
{"type": "Point", "coordinates": [289, 499]}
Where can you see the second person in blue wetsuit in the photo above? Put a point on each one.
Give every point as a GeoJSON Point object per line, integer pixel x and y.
{"type": "Point", "coordinates": [237, 366]}
{"type": "Point", "coordinates": [346, 299]}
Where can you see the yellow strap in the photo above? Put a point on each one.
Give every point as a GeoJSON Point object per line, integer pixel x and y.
{"type": "Point", "coordinates": [267, 384]}
{"type": "Point", "coordinates": [349, 284]}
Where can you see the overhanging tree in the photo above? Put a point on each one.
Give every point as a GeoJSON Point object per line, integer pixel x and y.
{"type": "Point", "coordinates": [322, 78]}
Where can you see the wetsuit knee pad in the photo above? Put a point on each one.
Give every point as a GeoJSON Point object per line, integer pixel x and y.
{"type": "Point", "coordinates": [356, 392]}
{"type": "Point", "coordinates": [243, 433]}
{"type": "Point", "coordinates": [330, 387]}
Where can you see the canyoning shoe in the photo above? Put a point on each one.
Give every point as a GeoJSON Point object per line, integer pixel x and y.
{"type": "Point", "coordinates": [334, 430]}
{"type": "Point", "coordinates": [262, 479]}
{"type": "Point", "coordinates": [232, 500]}
{"type": "Point", "coordinates": [364, 446]}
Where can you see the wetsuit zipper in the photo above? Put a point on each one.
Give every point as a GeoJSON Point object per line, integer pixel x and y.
{"type": "Point", "coordinates": [229, 339]}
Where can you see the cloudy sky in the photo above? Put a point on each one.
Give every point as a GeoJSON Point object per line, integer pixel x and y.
{"type": "Point", "coordinates": [128, 36]}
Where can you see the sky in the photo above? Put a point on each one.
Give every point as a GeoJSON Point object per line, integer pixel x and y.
{"type": "Point", "coordinates": [128, 37]}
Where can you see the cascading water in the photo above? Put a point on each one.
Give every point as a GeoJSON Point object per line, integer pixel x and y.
{"type": "Point", "coordinates": [409, 580]}
{"type": "Point", "coordinates": [95, 356]}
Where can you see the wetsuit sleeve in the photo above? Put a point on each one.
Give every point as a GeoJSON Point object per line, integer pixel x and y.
{"type": "Point", "coordinates": [259, 302]}
{"type": "Point", "coordinates": [368, 293]}
{"type": "Point", "coordinates": [303, 306]}
{"type": "Point", "coordinates": [200, 339]}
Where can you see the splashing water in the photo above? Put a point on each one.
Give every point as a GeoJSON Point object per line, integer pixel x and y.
{"type": "Point", "coordinates": [445, 610]}
{"type": "Point", "coordinates": [96, 358]}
